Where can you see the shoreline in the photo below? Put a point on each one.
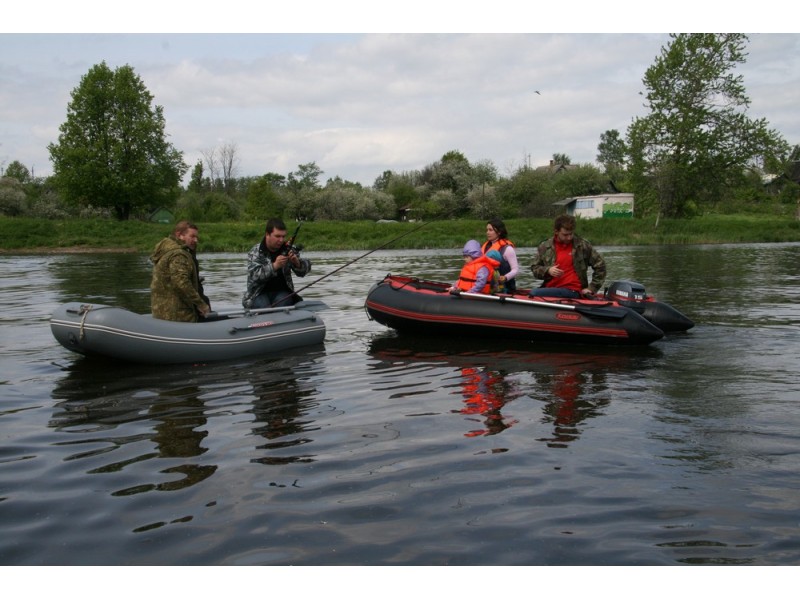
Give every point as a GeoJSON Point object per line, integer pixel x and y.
{"type": "Point", "coordinates": [69, 250]}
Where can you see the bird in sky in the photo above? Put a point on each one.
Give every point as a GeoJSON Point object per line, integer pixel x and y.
{"type": "Point", "coordinates": [536, 92]}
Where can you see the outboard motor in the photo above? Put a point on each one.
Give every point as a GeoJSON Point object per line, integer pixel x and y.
{"type": "Point", "coordinates": [628, 293]}
{"type": "Point", "coordinates": [632, 295]}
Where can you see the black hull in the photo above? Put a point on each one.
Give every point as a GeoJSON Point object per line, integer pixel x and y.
{"type": "Point", "coordinates": [665, 317]}
{"type": "Point", "coordinates": [419, 307]}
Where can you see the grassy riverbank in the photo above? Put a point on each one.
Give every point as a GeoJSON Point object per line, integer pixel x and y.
{"type": "Point", "coordinates": [22, 235]}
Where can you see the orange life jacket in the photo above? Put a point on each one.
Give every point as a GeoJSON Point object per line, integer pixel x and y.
{"type": "Point", "coordinates": [500, 245]}
{"type": "Point", "coordinates": [496, 245]}
{"type": "Point", "coordinates": [469, 274]}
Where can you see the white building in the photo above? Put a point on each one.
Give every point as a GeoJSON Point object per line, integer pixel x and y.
{"type": "Point", "coordinates": [603, 205]}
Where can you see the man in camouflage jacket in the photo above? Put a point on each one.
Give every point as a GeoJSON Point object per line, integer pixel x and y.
{"type": "Point", "coordinates": [270, 265]}
{"type": "Point", "coordinates": [176, 292]}
{"type": "Point", "coordinates": [568, 277]}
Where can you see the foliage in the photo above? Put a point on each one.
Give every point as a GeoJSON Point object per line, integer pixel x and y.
{"type": "Point", "coordinates": [401, 188]}
{"type": "Point", "coordinates": [112, 150]}
{"type": "Point", "coordinates": [611, 153]}
{"type": "Point", "coordinates": [16, 170]}
{"type": "Point", "coordinates": [306, 176]}
{"type": "Point", "coordinates": [12, 197]}
{"type": "Point", "coordinates": [23, 234]}
{"type": "Point", "coordinates": [581, 180]}
{"type": "Point", "coordinates": [694, 154]}
{"type": "Point", "coordinates": [789, 195]}
{"type": "Point", "coordinates": [196, 181]}
{"type": "Point", "coordinates": [696, 142]}
{"type": "Point", "coordinates": [482, 201]}
{"type": "Point", "coordinates": [345, 201]}
{"type": "Point", "coordinates": [264, 199]}
{"type": "Point", "coordinates": [452, 173]}
{"type": "Point", "coordinates": [527, 193]}
{"type": "Point", "coordinates": [211, 207]}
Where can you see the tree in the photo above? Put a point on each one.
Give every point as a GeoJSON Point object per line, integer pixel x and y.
{"type": "Point", "coordinates": [400, 188]}
{"type": "Point", "coordinates": [18, 171]}
{"type": "Point", "coordinates": [611, 153]}
{"type": "Point", "coordinates": [347, 201]}
{"type": "Point", "coordinates": [303, 186]}
{"type": "Point", "coordinates": [526, 193]}
{"type": "Point", "coordinates": [263, 198]}
{"type": "Point", "coordinates": [561, 159]}
{"type": "Point", "coordinates": [112, 150]}
{"type": "Point", "coordinates": [482, 201]}
{"type": "Point", "coordinates": [222, 164]}
{"type": "Point", "coordinates": [696, 143]}
{"type": "Point", "coordinates": [230, 163]}
{"type": "Point", "coordinates": [212, 166]}
{"type": "Point", "coordinates": [452, 173]}
{"type": "Point", "coordinates": [306, 176]}
{"type": "Point", "coordinates": [196, 181]}
{"type": "Point", "coordinates": [582, 180]}
{"type": "Point", "coordinates": [12, 197]}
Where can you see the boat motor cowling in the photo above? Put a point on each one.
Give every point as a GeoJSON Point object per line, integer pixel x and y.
{"type": "Point", "coordinates": [627, 293]}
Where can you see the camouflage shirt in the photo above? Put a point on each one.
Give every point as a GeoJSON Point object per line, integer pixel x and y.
{"type": "Point", "coordinates": [583, 257]}
{"type": "Point", "coordinates": [176, 293]}
{"type": "Point", "coordinates": [261, 276]}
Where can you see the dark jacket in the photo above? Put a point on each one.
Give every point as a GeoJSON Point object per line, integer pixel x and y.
{"type": "Point", "coordinates": [261, 275]}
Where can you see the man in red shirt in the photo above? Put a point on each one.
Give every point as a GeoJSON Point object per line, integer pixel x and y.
{"type": "Point", "coordinates": [563, 262]}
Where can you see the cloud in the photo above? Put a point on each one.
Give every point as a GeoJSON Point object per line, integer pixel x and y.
{"type": "Point", "coordinates": [361, 104]}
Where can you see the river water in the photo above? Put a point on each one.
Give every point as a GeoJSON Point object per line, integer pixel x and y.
{"type": "Point", "coordinates": [374, 449]}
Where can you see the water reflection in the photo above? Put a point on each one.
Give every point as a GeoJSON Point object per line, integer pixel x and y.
{"type": "Point", "coordinates": [178, 433]}
{"type": "Point", "coordinates": [279, 406]}
{"type": "Point", "coordinates": [160, 421]}
{"type": "Point", "coordinates": [130, 417]}
{"type": "Point", "coordinates": [484, 395]}
{"type": "Point", "coordinates": [573, 386]}
{"type": "Point", "coordinates": [683, 452]}
{"type": "Point", "coordinates": [577, 395]}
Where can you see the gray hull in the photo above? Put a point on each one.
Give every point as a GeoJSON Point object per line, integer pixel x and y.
{"type": "Point", "coordinates": [120, 334]}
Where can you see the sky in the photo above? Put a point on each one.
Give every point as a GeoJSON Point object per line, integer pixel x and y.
{"type": "Point", "coordinates": [358, 104]}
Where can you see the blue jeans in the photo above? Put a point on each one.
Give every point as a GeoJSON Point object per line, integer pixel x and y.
{"type": "Point", "coordinates": [555, 292]}
{"type": "Point", "coordinates": [273, 299]}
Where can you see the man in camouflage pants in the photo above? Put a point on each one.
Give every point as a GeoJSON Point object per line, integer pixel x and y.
{"type": "Point", "coordinates": [176, 292]}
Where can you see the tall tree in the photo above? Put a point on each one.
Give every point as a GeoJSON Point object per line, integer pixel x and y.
{"type": "Point", "coordinates": [222, 164]}
{"type": "Point", "coordinates": [212, 166]}
{"type": "Point", "coordinates": [112, 150]}
{"type": "Point", "coordinates": [696, 143]}
{"type": "Point", "coordinates": [230, 162]}
{"type": "Point", "coordinates": [306, 176]}
{"type": "Point", "coordinates": [303, 186]}
{"type": "Point", "coordinates": [196, 181]}
{"type": "Point", "coordinates": [263, 199]}
{"type": "Point", "coordinates": [611, 153]}
{"type": "Point", "coordinates": [18, 171]}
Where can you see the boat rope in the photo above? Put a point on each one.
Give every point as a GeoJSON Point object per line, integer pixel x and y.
{"type": "Point", "coordinates": [85, 308]}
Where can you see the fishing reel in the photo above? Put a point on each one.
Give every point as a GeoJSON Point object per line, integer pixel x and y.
{"type": "Point", "coordinates": [287, 247]}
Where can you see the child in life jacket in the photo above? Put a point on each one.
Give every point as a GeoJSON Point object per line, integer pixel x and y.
{"type": "Point", "coordinates": [496, 285]}
{"type": "Point", "coordinates": [479, 274]}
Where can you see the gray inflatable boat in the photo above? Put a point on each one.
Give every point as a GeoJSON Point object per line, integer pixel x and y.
{"type": "Point", "coordinates": [101, 330]}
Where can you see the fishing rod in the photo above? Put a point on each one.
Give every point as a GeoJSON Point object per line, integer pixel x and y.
{"type": "Point", "coordinates": [389, 243]}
